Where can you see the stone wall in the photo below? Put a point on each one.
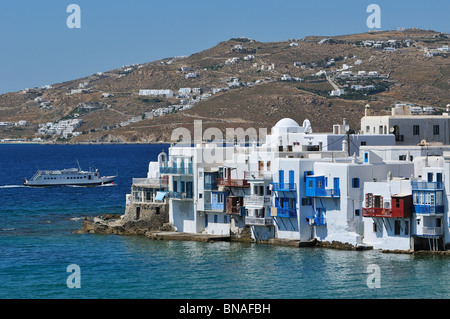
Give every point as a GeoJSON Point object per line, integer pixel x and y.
{"type": "Point", "coordinates": [137, 220]}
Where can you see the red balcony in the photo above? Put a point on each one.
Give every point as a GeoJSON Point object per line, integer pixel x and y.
{"type": "Point", "coordinates": [401, 208]}
{"type": "Point", "coordinates": [377, 212]}
{"type": "Point", "coordinates": [232, 182]}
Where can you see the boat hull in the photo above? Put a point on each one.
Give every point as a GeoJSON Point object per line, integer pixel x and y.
{"type": "Point", "coordinates": [50, 183]}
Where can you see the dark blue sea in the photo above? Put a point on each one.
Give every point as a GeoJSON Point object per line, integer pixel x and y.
{"type": "Point", "coordinates": [37, 246]}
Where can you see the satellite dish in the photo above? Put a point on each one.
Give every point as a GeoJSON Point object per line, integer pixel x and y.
{"type": "Point", "coordinates": [392, 130]}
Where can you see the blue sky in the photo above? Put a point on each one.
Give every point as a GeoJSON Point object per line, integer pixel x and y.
{"type": "Point", "coordinates": [38, 48]}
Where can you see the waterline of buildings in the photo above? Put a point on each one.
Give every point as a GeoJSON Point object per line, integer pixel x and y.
{"type": "Point", "coordinates": [368, 190]}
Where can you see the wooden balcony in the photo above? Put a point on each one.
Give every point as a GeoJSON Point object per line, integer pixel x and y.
{"type": "Point", "coordinates": [232, 182]}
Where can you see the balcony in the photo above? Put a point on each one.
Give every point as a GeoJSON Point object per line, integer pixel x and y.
{"type": "Point", "coordinates": [176, 170]}
{"type": "Point", "coordinates": [284, 187]}
{"type": "Point", "coordinates": [236, 210]}
{"type": "Point", "coordinates": [257, 175]}
{"type": "Point", "coordinates": [232, 182]}
{"type": "Point", "coordinates": [429, 209]}
{"type": "Point", "coordinates": [282, 212]}
{"type": "Point", "coordinates": [209, 207]}
{"type": "Point", "coordinates": [422, 185]}
{"type": "Point", "coordinates": [323, 192]}
{"type": "Point", "coordinates": [377, 212]}
{"type": "Point", "coordinates": [151, 182]}
{"type": "Point", "coordinates": [258, 221]}
{"type": "Point", "coordinates": [430, 231]}
{"type": "Point", "coordinates": [256, 201]}
{"type": "Point", "coordinates": [181, 195]}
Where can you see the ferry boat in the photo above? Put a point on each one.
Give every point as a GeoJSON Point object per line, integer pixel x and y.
{"type": "Point", "coordinates": [68, 177]}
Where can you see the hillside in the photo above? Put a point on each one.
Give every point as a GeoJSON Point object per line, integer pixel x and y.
{"type": "Point", "coordinates": [244, 83]}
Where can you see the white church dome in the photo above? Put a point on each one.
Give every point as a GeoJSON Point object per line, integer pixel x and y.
{"type": "Point", "coordinates": [286, 122]}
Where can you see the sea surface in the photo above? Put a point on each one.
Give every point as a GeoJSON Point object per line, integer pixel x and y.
{"type": "Point", "coordinates": [37, 246]}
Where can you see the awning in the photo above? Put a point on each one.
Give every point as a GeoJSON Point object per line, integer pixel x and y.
{"type": "Point", "coordinates": [160, 195]}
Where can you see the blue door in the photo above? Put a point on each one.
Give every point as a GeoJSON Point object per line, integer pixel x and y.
{"type": "Point", "coordinates": [291, 179]}
{"type": "Point", "coordinates": [206, 220]}
{"type": "Point", "coordinates": [336, 185]}
{"type": "Point", "coordinates": [281, 177]}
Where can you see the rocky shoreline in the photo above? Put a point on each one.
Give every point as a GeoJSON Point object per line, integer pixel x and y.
{"type": "Point", "coordinates": [116, 224]}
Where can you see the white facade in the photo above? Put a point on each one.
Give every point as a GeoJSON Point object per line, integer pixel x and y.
{"type": "Point", "coordinates": [161, 93]}
{"type": "Point", "coordinates": [408, 128]}
{"type": "Point", "coordinates": [288, 189]}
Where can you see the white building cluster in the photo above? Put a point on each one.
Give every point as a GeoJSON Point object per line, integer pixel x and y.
{"type": "Point", "coordinates": [65, 128]}
{"type": "Point", "coordinates": [365, 190]}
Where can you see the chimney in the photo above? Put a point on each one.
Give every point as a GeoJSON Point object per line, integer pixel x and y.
{"type": "Point", "coordinates": [367, 110]}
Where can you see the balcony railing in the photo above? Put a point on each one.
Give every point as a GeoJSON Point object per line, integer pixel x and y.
{"type": "Point", "coordinates": [176, 170]}
{"type": "Point", "coordinates": [151, 181]}
{"type": "Point", "coordinates": [422, 185]}
{"type": "Point", "coordinates": [282, 212]}
{"type": "Point", "coordinates": [319, 221]}
{"type": "Point", "coordinates": [430, 231]}
{"type": "Point", "coordinates": [236, 210]}
{"type": "Point", "coordinates": [258, 221]}
{"type": "Point", "coordinates": [323, 192]}
{"type": "Point", "coordinates": [428, 209]}
{"type": "Point", "coordinates": [232, 182]}
{"type": "Point", "coordinates": [376, 212]}
{"type": "Point", "coordinates": [257, 201]}
{"type": "Point", "coordinates": [257, 175]}
{"type": "Point", "coordinates": [284, 187]}
{"type": "Point", "coordinates": [180, 195]}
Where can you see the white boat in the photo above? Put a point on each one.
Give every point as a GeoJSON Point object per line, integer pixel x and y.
{"type": "Point", "coordinates": [68, 177]}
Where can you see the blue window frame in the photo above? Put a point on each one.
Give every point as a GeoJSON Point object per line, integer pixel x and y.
{"type": "Point", "coordinates": [355, 182]}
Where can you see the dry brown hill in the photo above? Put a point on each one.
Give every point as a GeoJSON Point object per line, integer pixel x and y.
{"type": "Point", "coordinates": [410, 77]}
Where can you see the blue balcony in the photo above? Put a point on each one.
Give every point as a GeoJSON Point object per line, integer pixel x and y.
{"type": "Point", "coordinates": [423, 185]}
{"type": "Point", "coordinates": [181, 195]}
{"type": "Point", "coordinates": [315, 187]}
{"type": "Point", "coordinates": [284, 187]}
{"type": "Point", "coordinates": [176, 170]}
{"type": "Point", "coordinates": [282, 212]}
{"type": "Point", "coordinates": [429, 209]}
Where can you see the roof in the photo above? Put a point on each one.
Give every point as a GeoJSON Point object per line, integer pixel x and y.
{"type": "Point", "coordinates": [287, 122]}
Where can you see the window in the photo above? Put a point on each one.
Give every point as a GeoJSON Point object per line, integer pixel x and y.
{"type": "Point", "coordinates": [225, 219]}
{"type": "Point", "coordinates": [306, 201]}
{"type": "Point", "coordinates": [402, 157]}
{"type": "Point", "coordinates": [319, 184]}
{"type": "Point", "coordinates": [310, 184]}
{"type": "Point", "coordinates": [215, 218]}
{"type": "Point", "coordinates": [416, 130]}
{"type": "Point", "coordinates": [355, 182]}
{"type": "Point", "coordinates": [220, 198]}
{"type": "Point", "coordinates": [363, 143]}
{"type": "Point", "coordinates": [374, 227]}
{"type": "Point", "coordinates": [406, 227]}
{"type": "Point", "coordinates": [357, 212]}
{"type": "Point", "coordinates": [397, 203]}
{"type": "Point", "coordinates": [435, 129]}
{"type": "Point", "coordinates": [366, 157]}
{"type": "Point", "coordinates": [396, 227]}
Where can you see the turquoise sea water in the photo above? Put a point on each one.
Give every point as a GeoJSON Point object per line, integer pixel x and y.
{"type": "Point", "coordinates": [37, 246]}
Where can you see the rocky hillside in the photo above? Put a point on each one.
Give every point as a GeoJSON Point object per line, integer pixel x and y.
{"type": "Point", "coordinates": [240, 83]}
